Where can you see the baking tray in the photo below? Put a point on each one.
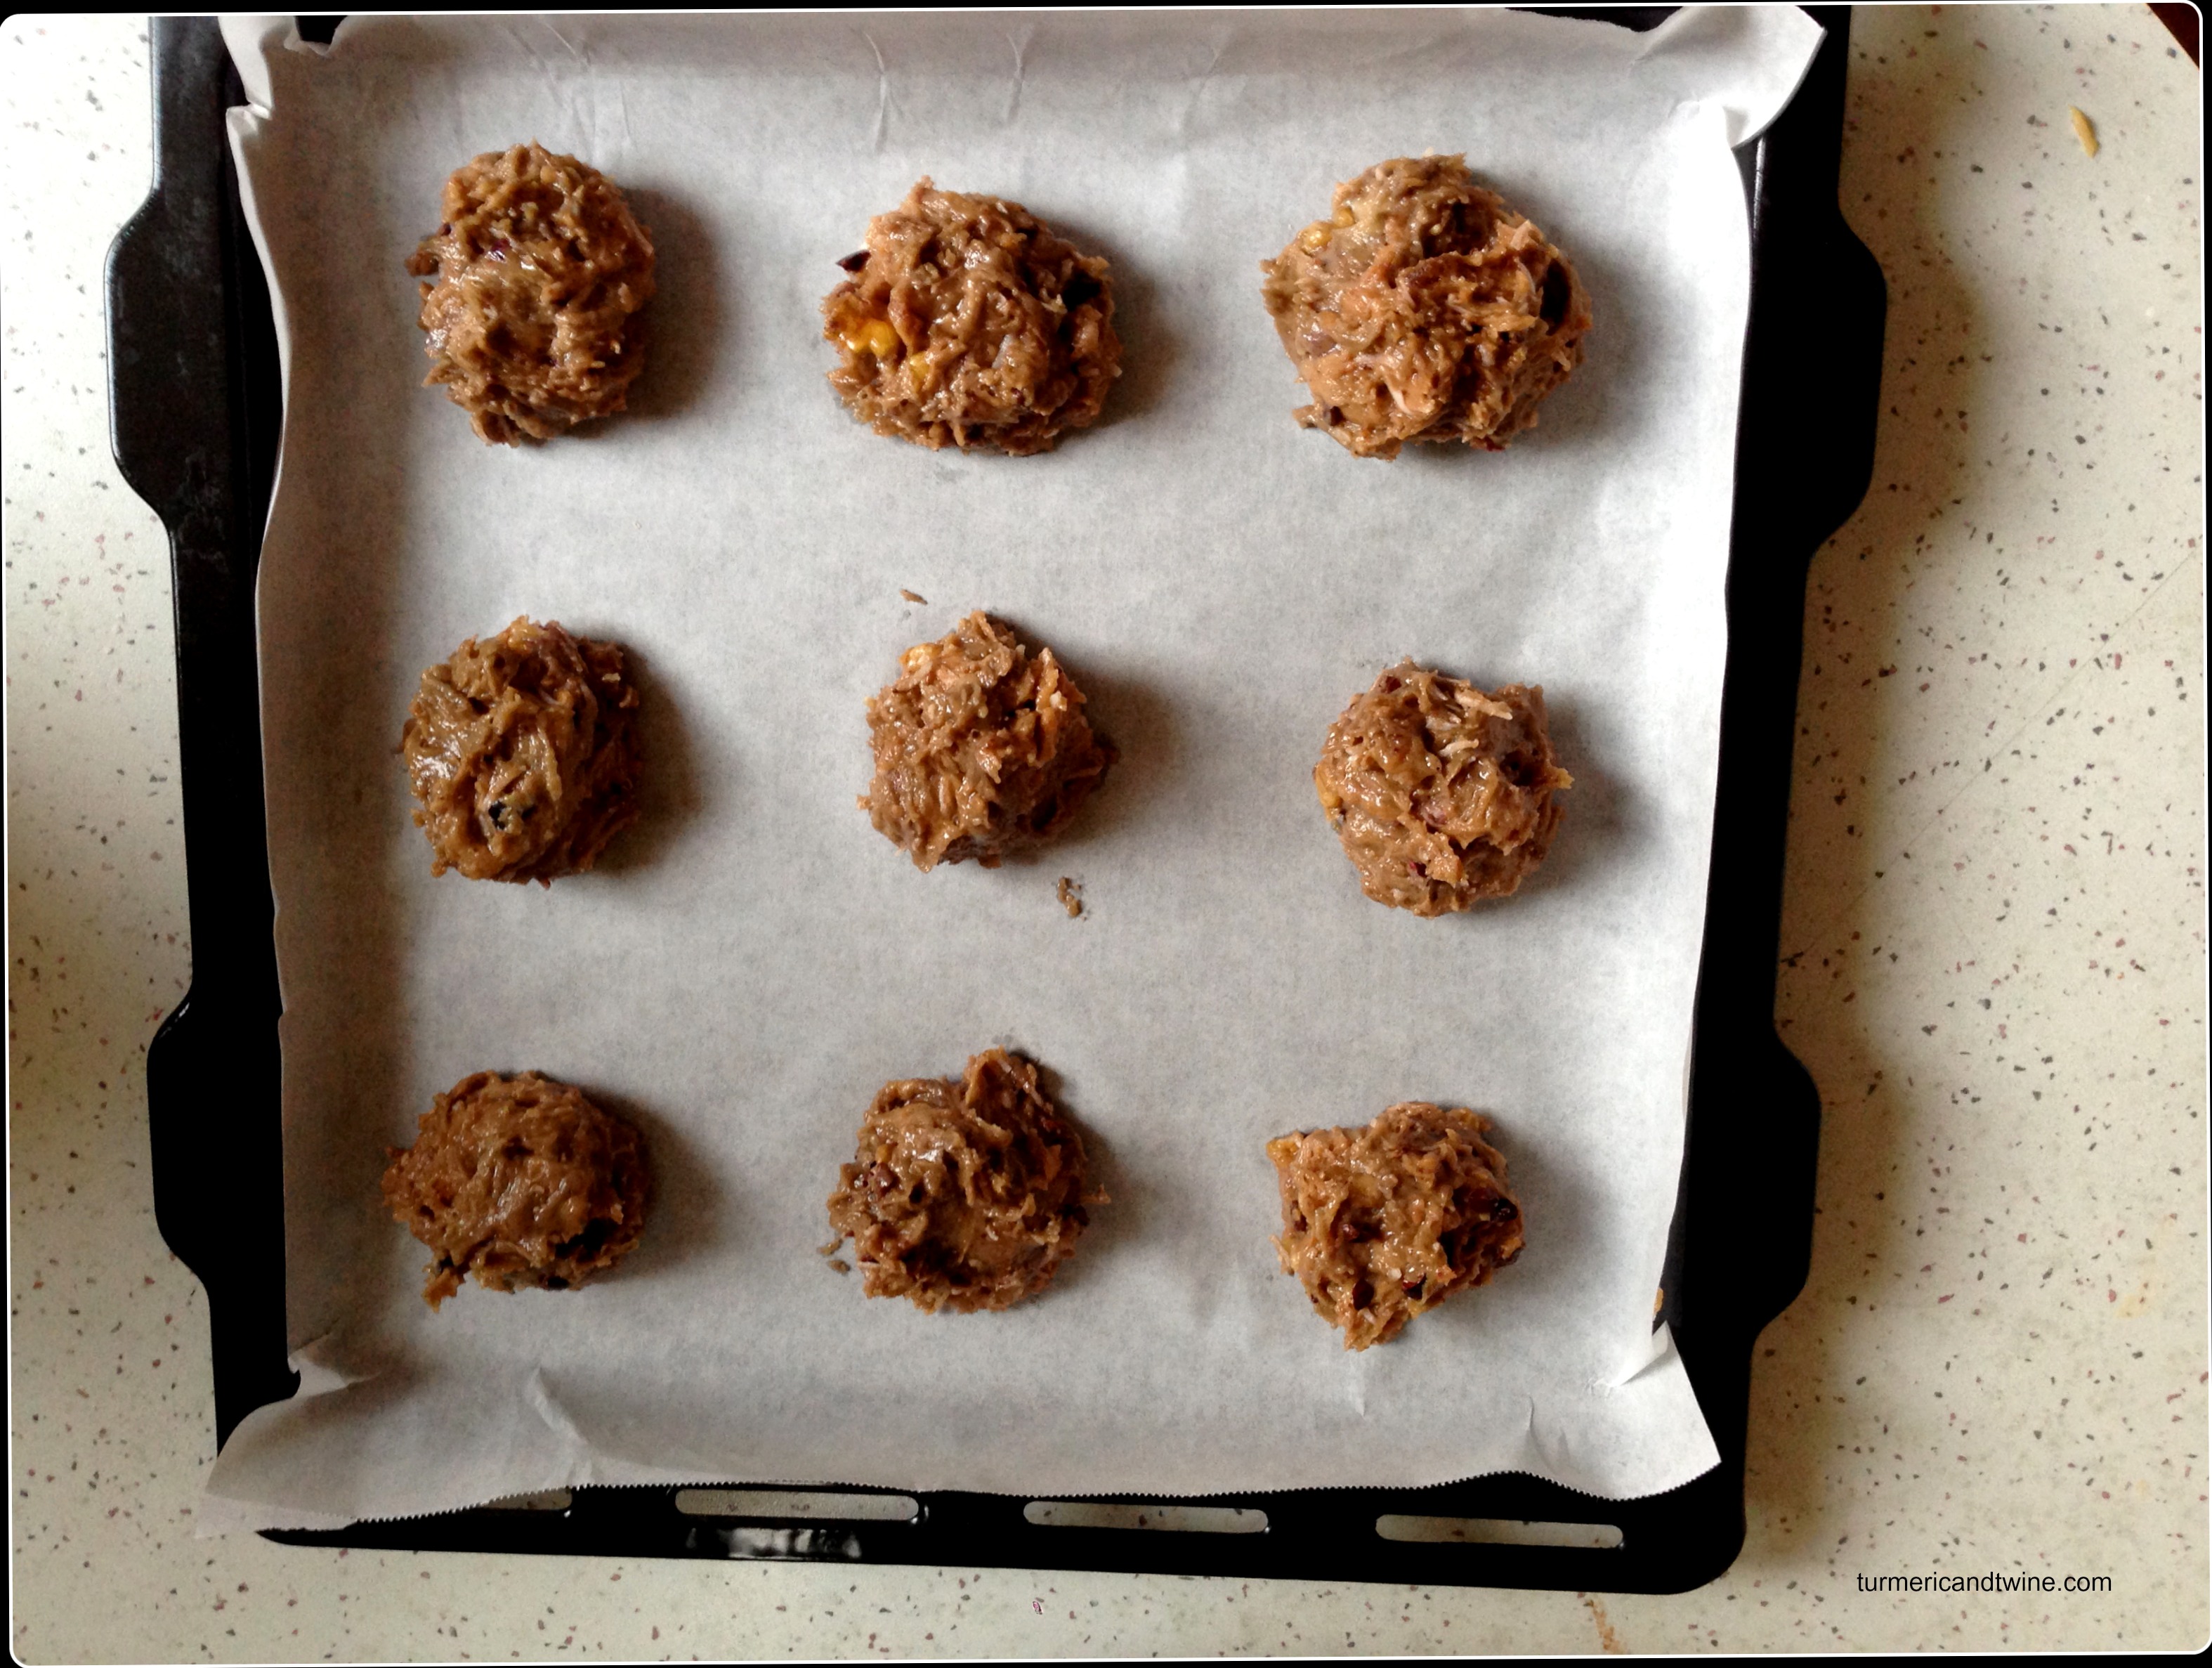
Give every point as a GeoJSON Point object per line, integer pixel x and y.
{"type": "Point", "coordinates": [195, 410]}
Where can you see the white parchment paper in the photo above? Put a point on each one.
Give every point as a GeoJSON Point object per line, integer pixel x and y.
{"type": "Point", "coordinates": [754, 960]}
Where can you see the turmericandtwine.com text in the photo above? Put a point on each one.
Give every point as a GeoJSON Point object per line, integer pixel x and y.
{"type": "Point", "coordinates": [1991, 1582]}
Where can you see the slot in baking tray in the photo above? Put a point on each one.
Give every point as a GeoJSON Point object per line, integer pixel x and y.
{"type": "Point", "coordinates": [196, 413]}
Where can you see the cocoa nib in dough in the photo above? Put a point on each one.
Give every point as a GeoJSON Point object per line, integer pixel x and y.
{"type": "Point", "coordinates": [963, 1195]}
{"type": "Point", "coordinates": [519, 1181]}
{"type": "Point", "coordinates": [1442, 794]}
{"type": "Point", "coordinates": [1425, 309]}
{"type": "Point", "coordinates": [519, 749]}
{"type": "Point", "coordinates": [982, 748]}
{"type": "Point", "coordinates": [532, 323]}
{"type": "Point", "coordinates": [967, 323]}
{"type": "Point", "coordinates": [1381, 1223]}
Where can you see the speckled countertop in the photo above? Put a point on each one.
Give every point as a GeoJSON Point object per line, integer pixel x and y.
{"type": "Point", "coordinates": [1993, 962]}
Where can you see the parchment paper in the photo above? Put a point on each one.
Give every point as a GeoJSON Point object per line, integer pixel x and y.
{"type": "Point", "coordinates": [754, 960]}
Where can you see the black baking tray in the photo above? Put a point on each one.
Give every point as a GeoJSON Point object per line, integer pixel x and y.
{"type": "Point", "coordinates": [196, 407]}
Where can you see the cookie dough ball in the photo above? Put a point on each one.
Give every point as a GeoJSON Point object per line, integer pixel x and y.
{"type": "Point", "coordinates": [962, 1196]}
{"type": "Point", "coordinates": [1381, 1223]}
{"type": "Point", "coordinates": [982, 748]}
{"type": "Point", "coordinates": [532, 323]}
{"type": "Point", "coordinates": [519, 749]}
{"type": "Point", "coordinates": [1442, 794]}
{"type": "Point", "coordinates": [519, 1181]}
{"type": "Point", "coordinates": [1425, 309]}
{"type": "Point", "coordinates": [967, 323]}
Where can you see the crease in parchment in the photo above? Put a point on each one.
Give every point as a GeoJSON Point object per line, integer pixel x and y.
{"type": "Point", "coordinates": [296, 42]}
{"type": "Point", "coordinates": [562, 84]}
{"type": "Point", "coordinates": [578, 1464]}
{"type": "Point", "coordinates": [320, 1364]}
{"type": "Point", "coordinates": [877, 140]}
{"type": "Point", "coordinates": [1685, 43]}
{"type": "Point", "coordinates": [1019, 45]}
{"type": "Point", "coordinates": [622, 108]}
{"type": "Point", "coordinates": [581, 54]}
{"type": "Point", "coordinates": [1659, 1359]}
{"type": "Point", "coordinates": [1188, 113]}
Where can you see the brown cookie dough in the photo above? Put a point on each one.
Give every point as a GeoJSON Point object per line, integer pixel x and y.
{"type": "Point", "coordinates": [540, 269]}
{"type": "Point", "coordinates": [1442, 794]}
{"type": "Point", "coordinates": [1381, 1223]}
{"type": "Point", "coordinates": [982, 748]}
{"type": "Point", "coordinates": [962, 1196]}
{"type": "Point", "coordinates": [519, 1181]}
{"type": "Point", "coordinates": [519, 749]}
{"type": "Point", "coordinates": [1425, 309]}
{"type": "Point", "coordinates": [967, 323]}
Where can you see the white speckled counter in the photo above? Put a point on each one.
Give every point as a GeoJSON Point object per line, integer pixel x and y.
{"type": "Point", "coordinates": [1993, 962]}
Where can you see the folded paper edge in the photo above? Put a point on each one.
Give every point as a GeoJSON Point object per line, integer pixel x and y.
{"type": "Point", "coordinates": [1696, 31]}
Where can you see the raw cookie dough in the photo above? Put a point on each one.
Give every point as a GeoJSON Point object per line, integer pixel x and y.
{"type": "Point", "coordinates": [982, 748]}
{"type": "Point", "coordinates": [1442, 794]}
{"type": "Point", "coordinates": [532, 322]}
{"type": "Point", "coordinates": [962, 1196]}
{"type": "Point", "coordinates": [1381, 1223]}
{"type": "Point", "coordinates": [520, 749]}
{"type": "Point", "coordinates": [1425, 309]}
{"type": "Point", "coordinates": [967, 323]}
{"type": "Point", "coordinates": [519, 1181]}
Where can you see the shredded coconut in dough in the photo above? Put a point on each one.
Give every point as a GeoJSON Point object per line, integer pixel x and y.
{"type": "Point", "coordinates": [1440, 794]}
{"type": "Point", "coordinates": [969, 323]}
{"type": "Point", "coordinates": [519, 1181]}
{"type": "Point", "coordinates": [540, 268]}
{"type": "Point", "coordinates": [1425, 309]}
{"type": "Point", "coordinates": [982, 748]}
{"type": "Point", "coordinates": [519, 749]}
{"type": "Point", "coordinates": [964, 1195]}
{"type": "Point", "coordinates": [1381, 1223]}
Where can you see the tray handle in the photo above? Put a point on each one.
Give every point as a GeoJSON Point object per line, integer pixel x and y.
{"type": "Point", "coordinates": [1812, 358]}
{"type": "Point", "coordinates": [193, 412]}
{"type": "Point", "coordinates": [1742, 1242]}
